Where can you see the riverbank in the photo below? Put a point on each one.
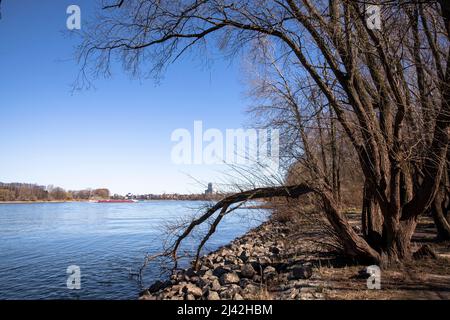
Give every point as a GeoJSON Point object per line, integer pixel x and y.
{"type": "Point", "coordinates": [285, 261]}
{"type": "Point", "coordinates": [41, 201]}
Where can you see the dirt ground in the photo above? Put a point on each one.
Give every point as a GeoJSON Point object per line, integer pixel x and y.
{"type": "Point", "coordinates": [338, 279]}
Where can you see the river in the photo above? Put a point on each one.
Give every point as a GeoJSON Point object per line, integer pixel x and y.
{"type": "Point", "coordinates": [38, 242]}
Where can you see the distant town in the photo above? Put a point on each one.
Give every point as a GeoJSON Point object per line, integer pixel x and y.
{"type": "Point", "coordinates": [207, 195]}
{"type": "Point", "coordinates": [10, 192]}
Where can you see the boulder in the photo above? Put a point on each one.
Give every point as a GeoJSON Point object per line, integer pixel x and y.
{"type": "Point", "coordinates": [247, 271]}
{"type": "Point", "coordinates": [269, 269]}
{"type": "Point", "coordinates": [208, 273]}
{"type": "Point", "coordinates": [193, 290]}
{"type": "Point", "coordinates": [229, 278]}
{"type": "Point", "coordinates": [245, 282]}
{"type": "Point", "coordinates": [215, 285]}
{"type": "Point", "coordinates": [220, 271]}
{"type": "Point", "coordinates": [237, 296]}
{"type": "Point", "coordinates": [275, 250]}
{"type": "Point", "coordinates": [199, 282]}
{"type": "Point", "coordinates": [191, 272]}
{"type": "Point", "coordinates": [244, 255]}
{"type": "Point", "coordinates": [251, 290]}
{"type": "Point", "coordinates": [230, 291]}
{"type": "Point", "coordinates": [270, 273]}
{"type": "Point", "coordinates": [212, 295]}
{"type": "Point", "coordinates": [190, 297]}
{"type": "Point", "coordinates": [257, 278]}
{"type": "Point", "coordinates": [263, 260]}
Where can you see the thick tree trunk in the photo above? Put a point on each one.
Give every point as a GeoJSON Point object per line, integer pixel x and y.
{"type": "Point", "coordinates": [398, 236]}
{"type": "Point", "coordinates": [371, 219]}
{"type": "Point", "coordinates": [354, 245]}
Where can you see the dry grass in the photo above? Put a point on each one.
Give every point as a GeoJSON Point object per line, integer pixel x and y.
{"type": "Point", "coordinates": [261, 294]}
{"type": "Point", "coordinates": [337, 278]}
{"type": "Point", "coordinates": [428, 279]}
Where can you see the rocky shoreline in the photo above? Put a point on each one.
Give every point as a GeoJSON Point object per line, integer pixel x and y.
{"type": "Point", "coordinates": [258, 265]}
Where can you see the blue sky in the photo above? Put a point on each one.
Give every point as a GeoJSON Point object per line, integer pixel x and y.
{"type": "Point", "coordinates": [115, 136]}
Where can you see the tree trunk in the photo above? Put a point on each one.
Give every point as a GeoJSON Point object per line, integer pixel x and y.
{"type": "Point", "coordinates": [372, 219]}
{"type": "Point", "coordinates": [398, 241]}
{"type": "Point", "coordinates": [440, 211]}
{"type": "Point", "coordinates": [336, 179]}
{"type": "Point", "coordinates": [354, 245]}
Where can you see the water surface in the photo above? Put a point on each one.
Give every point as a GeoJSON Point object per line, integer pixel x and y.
{"type": "Point", "coordinates": [107, 241]}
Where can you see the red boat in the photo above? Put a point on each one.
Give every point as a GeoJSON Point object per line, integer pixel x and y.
{"type": "Point", "coordinates": [117, 201]}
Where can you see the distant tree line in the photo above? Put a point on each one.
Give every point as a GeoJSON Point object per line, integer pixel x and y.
{"type": "Point", "coordinates": [34, 192]}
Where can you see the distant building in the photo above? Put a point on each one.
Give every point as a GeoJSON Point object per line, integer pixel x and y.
{"type": "Point", "coordinates": [210, 189]}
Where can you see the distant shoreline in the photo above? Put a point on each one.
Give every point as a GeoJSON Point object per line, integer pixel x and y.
{"type": "Point", "coordinates": [41, 201]}
{"type": "Point", "coordinates": [85, 201]}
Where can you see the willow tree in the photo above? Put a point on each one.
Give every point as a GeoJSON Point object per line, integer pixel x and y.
{"type": "Point", "coordinates": [388, 89]}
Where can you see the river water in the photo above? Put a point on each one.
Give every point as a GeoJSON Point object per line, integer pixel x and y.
{"type": "Point", "coordinates": [108, 242]}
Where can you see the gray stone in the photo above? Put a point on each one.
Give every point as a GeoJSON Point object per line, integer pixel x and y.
{"type": "Point", "coordinates": [236, 267]}
{"type": "Point", "coordinates": [264, 260]}
{"type": "Point", "coordinates": [230, 261]}
{"type": "Point", "coordinates": [247, 271]}
{"type": "Point", "coordinates": [245, 282]}
{"type": "Point", "coordinates": [270, 269]}
{"type": "Point", "coordinates": [215, 285]}
{"type": "Point", "coordinates": [191, 272]}
{"type": "Point", "coordinates": [226, 294]}
{"type": "Point", "coordinates": [251, 290]}
{"type": "Point", "coordinates": [193, 290]}
{"type": "Point", "coordinates": [224, 253]}
{"type": "Point", "coordinates": [212, 295]}
{"type": "Point", "coordinates": [220, 271]}
{"type": "Point", "coordinates": [270, 273]}
{"type": "Point", "coordinates": [244, 255]}
{"type": "Point", "coordinates": [208, 273]}
{"type": "Point", "coordinates": [194, 279]}
{"type": "Point", "coordinates": [257, 278]}
{"type": "Point", "coordinates": [230, 291]}
{"type": "Point", "coordinates": [229, 278]}
{"type": "Point", "coordinates": [237, 296]}
{"type": "Point", "coordinates": [199, 282]}
{"type": "Point", "coordinates": [204, 268]}
{"type": "Point", "coordinates": [190, 297]}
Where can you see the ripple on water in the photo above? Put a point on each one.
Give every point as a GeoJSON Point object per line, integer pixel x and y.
{"type": "Point", "coordinates": [39, 241]}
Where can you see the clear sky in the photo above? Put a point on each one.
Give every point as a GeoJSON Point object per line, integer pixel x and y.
{"type": "Point", "coordinates": [116, 136]}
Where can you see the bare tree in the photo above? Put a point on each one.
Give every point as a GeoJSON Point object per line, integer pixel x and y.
{"type": "Point", "coordinates": [440, 208]}
{"type": "Point", "coordinates": [388, 89]}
